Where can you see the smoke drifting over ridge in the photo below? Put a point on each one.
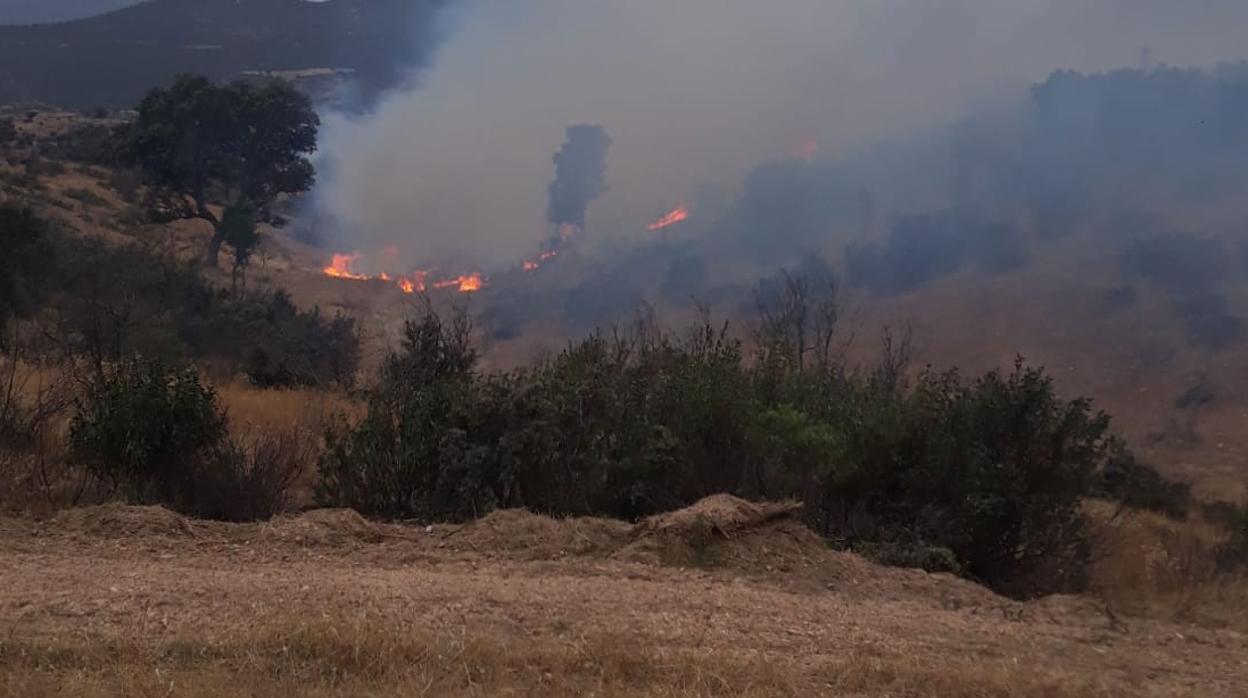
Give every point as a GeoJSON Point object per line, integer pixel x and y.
{"type": "Point", "coordinates": [698, 92]}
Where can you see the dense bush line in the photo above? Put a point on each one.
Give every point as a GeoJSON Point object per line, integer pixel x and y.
{"type": "Point", "coordinates": [105, 303]}
{"type": "Point", "coordinates": [985, 476]}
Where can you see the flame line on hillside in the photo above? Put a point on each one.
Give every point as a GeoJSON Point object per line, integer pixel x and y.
{"type": "Point", "coordinates": [680, 213]}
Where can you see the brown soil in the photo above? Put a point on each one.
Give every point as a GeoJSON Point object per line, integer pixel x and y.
{"type": "Point", "coordinates": [93, 598]}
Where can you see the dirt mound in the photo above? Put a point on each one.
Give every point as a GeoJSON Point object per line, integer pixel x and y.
{"type": "Point", "coordinates": [718, 531]}
{"type": "Point", "coordinates": [115, 520]}
{"type": "Point", "coordinates": [726, 515]}
{"type": "Point", "coordinates": [531, 536]}
{"type": "Point", "coordinates": [330, 527]}
{"type": "Point", "coordinates": [724, 531]}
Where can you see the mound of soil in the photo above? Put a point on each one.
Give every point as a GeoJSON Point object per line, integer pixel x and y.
{"type": "Point", "coordinates": [516, 532]}
{"type": "Point", "coordinates": [726, 531]}
{"type": "Point", "coordinates": [328, 527]}
{"type": "Point", "coordinates": [719, 531]}
{"type": "Point", "coordinates": [118, 520]}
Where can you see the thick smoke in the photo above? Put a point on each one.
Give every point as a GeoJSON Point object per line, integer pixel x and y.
{"type": "Point", "coordinates": [697, 93]}
{"type": "Point", "coordinates": [580, 175]}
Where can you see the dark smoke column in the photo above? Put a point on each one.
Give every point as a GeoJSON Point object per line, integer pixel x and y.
{"type": "Point", "coordinates": [580, 177]}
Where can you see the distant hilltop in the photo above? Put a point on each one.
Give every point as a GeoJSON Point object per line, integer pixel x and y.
{"type": "Point", "coordinates": [112, 59]}
{"type": "Point", "coordinates": [44, 11]}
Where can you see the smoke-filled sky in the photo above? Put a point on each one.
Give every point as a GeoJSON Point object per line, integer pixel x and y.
{"type": "Point", "coordinates": [693, 93]}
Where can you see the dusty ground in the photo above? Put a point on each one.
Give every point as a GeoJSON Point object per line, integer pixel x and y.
{"type": "Point", "coordinates": [117, 600]}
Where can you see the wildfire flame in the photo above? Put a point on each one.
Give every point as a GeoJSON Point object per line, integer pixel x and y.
{"type": "Point", "coordinates": [414, 283]}
{"type": "Point", "coordinates": [681, 213]}
{"type": "Point", "coordinates": [535, 264]}
{"type": "Point", "coordinates": [468, 283]}
{"type": "Point", "coordinates": [340, 267]}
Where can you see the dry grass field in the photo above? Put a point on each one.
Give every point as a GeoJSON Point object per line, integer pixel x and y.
{"type": "Point", "coordinates": [138, 601]}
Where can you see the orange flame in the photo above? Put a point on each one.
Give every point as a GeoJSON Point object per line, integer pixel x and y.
{"type": "Point", "coordinates": [681, 213]}
{"type": "Point", "coordinates": [535, 264]}
{"type": "Point", "coordinates": [340, 267]}
{"type": "Point", "coordinates": [414, 283]}
{"type": "Point", "coordinates": [468, 283]}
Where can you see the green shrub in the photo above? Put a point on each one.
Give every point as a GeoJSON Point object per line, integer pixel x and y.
{"type": "Point", "coordinates": [158, 436]}
{"type": "Point", "coordinates": [93, 144]}
{"type": "Point", "coordinates": [25, 256]}
{"type": "Point", "coordinates": [982, 477]}
{"type": "Point", "coordinates": [398, 462]}
{"type": "Point", "coordinates": [146, 429]}
{"type": "Point", "coordinates": [111, 302]}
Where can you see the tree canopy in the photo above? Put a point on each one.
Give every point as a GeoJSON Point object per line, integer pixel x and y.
{"type": "Point", "coordinates": [238, 146]}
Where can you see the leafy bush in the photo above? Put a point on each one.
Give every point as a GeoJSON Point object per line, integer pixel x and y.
{"type": "Point", "coordinates": [147, 429]}
{"type": "Point", "coordinates": [392, 465]}
{"type": "Point", "coordinates": [24, 257]}
{"type": "Point", "coordinates": [93, 144]}
{"type": "Point", "coordinates": [985, 477]}
{"type": "Point", "coordinates": [994, 470]}
{"type": "Point", "coordinates": [159, 436]}
{"type": "Point", "coordinates": [111, 302]}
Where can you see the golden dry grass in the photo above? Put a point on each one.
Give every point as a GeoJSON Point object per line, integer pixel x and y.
{"type": "Point", "coordinates": [1147, 565]}
{"type": "Point", "coordinates": [302, 413]}
{"type": "Point", "coordinates": [250, 408]}
{"type": "Point", "coordinates": [37, 479]}
{"type": "Point", "coordinates": [367, 657]}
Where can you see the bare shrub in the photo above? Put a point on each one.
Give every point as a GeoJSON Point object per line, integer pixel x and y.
{"type": "Point", "coordinates": [34, 404]}
{"type": "Point", "coordinates": [251, 479]}
{"type": "Point", "coordinates": [1146, 564]}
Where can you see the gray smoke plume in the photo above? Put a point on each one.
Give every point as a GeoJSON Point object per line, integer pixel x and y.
{"type": "Point", "coordinates": [580, 175]}
{"type": "Point", "coordinates": [697, 93]}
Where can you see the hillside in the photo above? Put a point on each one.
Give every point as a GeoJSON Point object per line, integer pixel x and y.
{"type": "Point", "coordinates": [41, 11]}
{"type": "Point", "coordinates": [113, 59]}
{"type": "Point", "coordinates": [1132, 360]}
